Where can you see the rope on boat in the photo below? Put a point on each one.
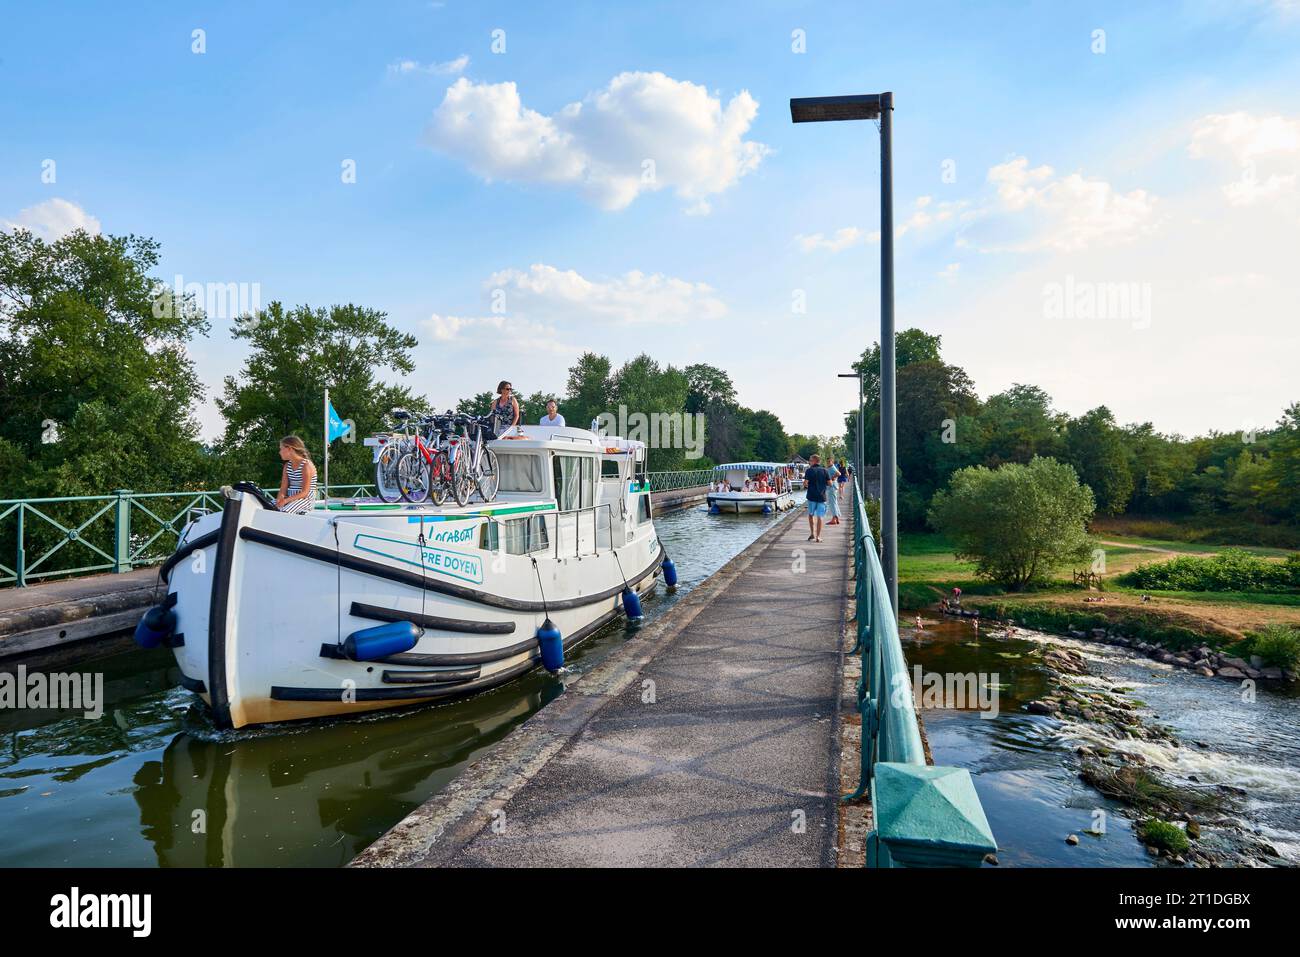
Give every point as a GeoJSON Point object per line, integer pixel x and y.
{"type": "Point", "coordinates": [542, 591]}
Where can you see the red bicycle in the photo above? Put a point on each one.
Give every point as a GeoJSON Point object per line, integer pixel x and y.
{"type": "Point", "coordinates": [426, 470]}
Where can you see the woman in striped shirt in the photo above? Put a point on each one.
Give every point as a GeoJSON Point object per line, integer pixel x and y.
{"type": "Point", "coordinates": [298, 483]}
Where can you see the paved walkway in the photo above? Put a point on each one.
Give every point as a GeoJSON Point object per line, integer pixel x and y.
{"type": "Point", "coordinates": [733, 762]}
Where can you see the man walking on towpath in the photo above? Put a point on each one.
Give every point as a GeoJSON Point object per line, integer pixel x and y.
{"type": "Point", "coordinates": [816, 481]}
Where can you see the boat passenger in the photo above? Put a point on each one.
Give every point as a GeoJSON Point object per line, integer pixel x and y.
{"type": "Point", "coordinates": [298, 479]}
{"type": "Point", "coordinates": [552, 416]}
{"type": "Point", "coordinates": [505, 410]}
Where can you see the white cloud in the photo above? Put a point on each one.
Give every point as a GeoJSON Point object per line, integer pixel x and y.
{"type": "Point", "coordinates": [53, 219]}
{"type": "Point", "coordinates": [634, 297]}
{"type": "Point", "coordinates": [925, 212]}
{"type": "Point", "coordinates": [1036, 209]}
{"type": "Point", "coordinates": [499, 333]}
{"type": "Point", "coordinates": [449, 68]}
{"type": "Point", "coordinates": [949, 272]}
{"type": "Point", "coordinates": [643, 132]}
{"type": "Point", "coordinates": [1263, 149]}
{"type": "Point", "coordinates": [838, 241]}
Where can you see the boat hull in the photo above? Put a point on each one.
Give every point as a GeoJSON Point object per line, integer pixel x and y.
{"type": "Point", "coordinates": [264, 606]}
{"type": "Point", "coordinates": [741, 502]}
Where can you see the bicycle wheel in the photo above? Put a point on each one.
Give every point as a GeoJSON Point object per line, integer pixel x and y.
{"type": "Point", "coordinates": [439, 477]}
{"type": "Point", "coordinates": [489, 479]}
{"type": "Point", "coordinates": [462, 480]}
{"type": "Point", "coordinates": [386, 482]}
{"type": "Point", "coordinates": [413, 476]}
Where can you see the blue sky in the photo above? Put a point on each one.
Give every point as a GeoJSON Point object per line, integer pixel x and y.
{"type": "Point", "coordinates": [510, 227]}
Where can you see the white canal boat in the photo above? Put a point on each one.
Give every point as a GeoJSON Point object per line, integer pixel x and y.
{"type": "Point", "coordinates": [738, 491]}
{"type": "Point", "coordinates": [359, 605]}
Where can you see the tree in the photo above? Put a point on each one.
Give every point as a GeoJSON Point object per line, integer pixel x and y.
{"type": "Point", "coordinates": [645, 387]}
{"type": "Point", "coordinates": [1017, 523]}
{"type": "Point", "coordinates": [1095, 447]}
{"type": "Point", "coordinates": [707, 386]}
{"type": "Point", "coordinates": [772, 443]}
{"type": "Point", "coordinates": [297, 354]}
{"type": "Point", "coordinates": [590, 390]}
{"type": "Point", "coordinates": [96, 386]}
{"type": "Point", "coordinates": [1280, 485]}
{"type": "Point", "coordinates": [1017, 425]}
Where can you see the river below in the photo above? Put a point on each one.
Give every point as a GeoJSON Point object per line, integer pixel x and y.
{"type": "Point", "coordinates": [1026, 769]}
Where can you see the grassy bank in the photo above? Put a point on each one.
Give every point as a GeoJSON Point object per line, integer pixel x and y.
{"type": "Point", "coordinates": [928, 570]}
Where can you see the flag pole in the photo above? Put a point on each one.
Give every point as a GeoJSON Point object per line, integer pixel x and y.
{"type": "Point", "coordinates": [325, 416]}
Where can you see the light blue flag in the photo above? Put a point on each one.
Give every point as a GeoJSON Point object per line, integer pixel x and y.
{"type": "Point", "coordinates": [337, 427]}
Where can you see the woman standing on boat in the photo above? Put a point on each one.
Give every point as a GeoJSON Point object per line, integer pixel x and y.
{"type": "Point", "coordinates": [298, 481]}
{"type": "Point", "coordinates": [505, 410]}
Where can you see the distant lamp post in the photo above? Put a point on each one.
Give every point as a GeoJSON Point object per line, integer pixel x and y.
{"type": "Point", "coordinates": [859, 454]}
{"type": "Point", "coordinates": [875, 106]}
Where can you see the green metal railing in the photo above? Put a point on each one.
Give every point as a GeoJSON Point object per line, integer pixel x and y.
{"type": "Point", "coordinates": [669, 481]}
{"type": "Point", "coordinates": [83, 534]}
{"type": "Point", "coordinates": [924, 816]}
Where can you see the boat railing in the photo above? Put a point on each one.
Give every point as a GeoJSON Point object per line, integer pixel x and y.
{"type": "Point", "coordinates": [671, 481]}
{"type": "Point", "coordinates": [924, 816]}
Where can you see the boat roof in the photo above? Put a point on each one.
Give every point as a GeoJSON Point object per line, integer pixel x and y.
{"type": "Point", "coordinates": [741, 466]}
{"type": "Point", "coordinates": [564, 438]}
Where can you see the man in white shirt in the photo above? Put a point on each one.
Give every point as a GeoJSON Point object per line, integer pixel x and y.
{"type": "Point", "coordinates": [552, 416]}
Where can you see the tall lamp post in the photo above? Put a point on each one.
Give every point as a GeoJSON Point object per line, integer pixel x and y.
{"type": "Point", "coordinates": [859, 452]}
{"type": "Point", "coordinates": [873, 106]}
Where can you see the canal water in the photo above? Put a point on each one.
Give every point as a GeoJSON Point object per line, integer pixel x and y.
{"type": "Point", "coordinates": [1025, 768]}
{"type": "Point", "coordinates": [153, 783]}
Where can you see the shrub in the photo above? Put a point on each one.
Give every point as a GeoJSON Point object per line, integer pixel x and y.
{"type": "Point", "coordinates": [1230, 570]}
{"type": "Point", "coordinates": [1277, 645]}
{"type": "Point", "coordinates": [1017, 523]}
{"type": "Point", "coordinates": [1162, 834]}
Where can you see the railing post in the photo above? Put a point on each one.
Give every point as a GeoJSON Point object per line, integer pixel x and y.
{"type": "Point", "coordinates": [122, 531]}
{"type": "Point", "coordinates": [926, 817]}
{"type": "Point", "coordinates": [20, 566]}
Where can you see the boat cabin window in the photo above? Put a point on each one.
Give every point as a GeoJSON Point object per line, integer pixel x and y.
{"type": "Point", "coordinates": [611, 468]}
{"type": "Point", "coordinates": [519, 472]}
{"type": "Point", "coordinates": [518, 536]}
{"type": "Point", "coordinates": [643, 508]}
{"type": "Point", "coordinates": [575, 481]}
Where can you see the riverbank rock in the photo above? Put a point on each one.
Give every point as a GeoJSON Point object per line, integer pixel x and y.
{"type": "Point", "coordinates": [1230, 672]}
{"type": "Point", "coordinates": [1040, 707]}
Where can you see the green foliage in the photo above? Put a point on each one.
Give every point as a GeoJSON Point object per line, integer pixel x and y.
{"type": "Point", "coordinates": [1162, 834]}
{"type": "Point", "coordinates": [96, 386]}
{"type": "Point", "coordinates": [1277, 645]}
{"type": "Point", "coordinates": [1017, 523]}
{"type": "Point", "coordinates": [1229, 570]}
{"type": "Point", "coordinates": [1096, 448]}
{"type": "Point", "coordinates": [295, 355]}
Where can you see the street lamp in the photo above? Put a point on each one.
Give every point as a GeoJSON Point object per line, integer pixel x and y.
{"type": "Point", "coordinates": [873, 106]}
{"type": "Point", "coordinates": [859, 455]}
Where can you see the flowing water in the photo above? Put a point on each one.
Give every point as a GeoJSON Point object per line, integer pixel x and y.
{"type": "Point", "coordinates": [154, 783]}
{"type": "Point", "coordinates": [1026, 771]}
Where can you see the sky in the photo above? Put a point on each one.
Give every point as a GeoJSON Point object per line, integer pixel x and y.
{"type": "Point", "coordinates": [1099, 198]}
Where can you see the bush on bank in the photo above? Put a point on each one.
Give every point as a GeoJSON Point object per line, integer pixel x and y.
{"type": "Point", "coordinates": [1230, 570]}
